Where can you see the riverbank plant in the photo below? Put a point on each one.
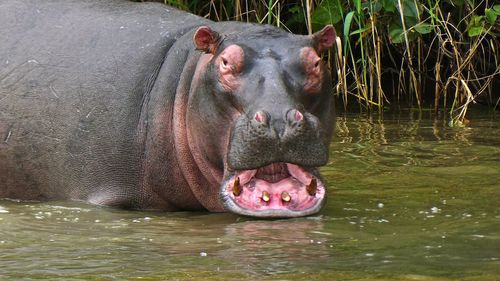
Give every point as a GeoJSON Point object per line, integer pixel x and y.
{"type": "Point", "coordinates": [435, 54]}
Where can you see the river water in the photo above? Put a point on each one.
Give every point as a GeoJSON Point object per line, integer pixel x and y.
{"type": "Point", "coordinates": [409, 199]}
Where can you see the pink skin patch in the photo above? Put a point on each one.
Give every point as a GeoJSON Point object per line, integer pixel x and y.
{"type": "Point", "coordinates": [313, 70]}
{"type": "Point", "coordinates": [260, 117]}
{"type": "Point", "coordinates": [298, 116]}
{"type": "Point", "coordinates": [230, 63]}
{"type": "Point", "coordinates": [288, 193]}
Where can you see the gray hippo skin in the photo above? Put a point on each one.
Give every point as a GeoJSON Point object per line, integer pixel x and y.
{"type": "Point", "coordinates": [141, 106]}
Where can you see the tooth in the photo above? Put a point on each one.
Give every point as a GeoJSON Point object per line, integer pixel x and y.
{"type": "Point", "coordinates": [312, 187]}
{"type": "Point", "coordinates": [285, 196]}
{"type": "Point", "coordinates": [236, 187]}
{"type": "Point", "coordinates": [265, 196]}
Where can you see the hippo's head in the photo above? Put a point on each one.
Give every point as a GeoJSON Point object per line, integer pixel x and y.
{"type": "Point", "coordinates": [264, 118]}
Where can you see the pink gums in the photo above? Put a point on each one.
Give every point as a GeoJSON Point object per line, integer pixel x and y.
{"type": "Point", "coordinates": [252, 189]}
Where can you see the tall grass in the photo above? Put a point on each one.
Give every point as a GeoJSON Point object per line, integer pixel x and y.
{"type": "Point", "coordinates": [437, 54]}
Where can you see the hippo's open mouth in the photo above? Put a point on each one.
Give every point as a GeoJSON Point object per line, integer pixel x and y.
{"type": "Point", "coordinates": [276, 190]}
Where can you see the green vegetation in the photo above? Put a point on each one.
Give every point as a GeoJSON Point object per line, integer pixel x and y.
{"type": "Point", "coordinates": [440, 54]}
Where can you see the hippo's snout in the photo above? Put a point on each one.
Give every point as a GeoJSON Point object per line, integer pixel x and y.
{"type": "Point", "coordinates": [260, 140]}
{"type": "Point", "coordinates": [272, 165]}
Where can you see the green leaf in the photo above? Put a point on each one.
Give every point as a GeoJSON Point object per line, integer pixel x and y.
{"type": "Point", "coordinates": [396, 33]}
{"type": "Point", "coordinates": [475, 31]}
{"type": "Point", "coordinates": [475, 26]}
{"type": "Point", "coordinates": [491, 15]}
{"type": "Point", "coordinates": [328, 12]}
{"type": "Point", "coordinates": [424, 28]}
{"type": "Point", "coordinates": [389, 5]}
{"type": "Point", "coordinates": [347, 28]}
{"type": "Point", "coordinates": [359, 31]}
{"type": "Point", "coordinates": [496, 8]}
{"type": "Point", "coordinates": [410, 9]}
{"type": "Point", "coordinates": [372, 6]}
{"type": "Point", "coordinates": [357, 4]}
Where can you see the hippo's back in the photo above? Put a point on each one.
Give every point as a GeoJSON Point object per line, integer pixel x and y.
{"type": "Point", "coordinates": [74, 76]}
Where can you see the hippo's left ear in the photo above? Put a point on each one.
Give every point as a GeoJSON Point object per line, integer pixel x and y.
{"type": "Point", "coordinates": [324, 39]}
{"type": "Point", "coordinates": [206, 40]}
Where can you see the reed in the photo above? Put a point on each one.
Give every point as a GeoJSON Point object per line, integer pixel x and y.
{"type": "Point", "coordinates": [441, 54]}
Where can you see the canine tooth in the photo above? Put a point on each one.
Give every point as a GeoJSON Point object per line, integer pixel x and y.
{"type": "Point", "coordinates": [236, 187]}
{"type": "Point", "coordinates": [265, 196]}
{"type": "Point", "coordinates": [285, 196]}
{"type": "Point", "coordinates": [312, 187]}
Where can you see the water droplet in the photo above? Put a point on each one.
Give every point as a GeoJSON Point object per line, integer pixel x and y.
{"type": "Point", "coordinates": [435, 210]}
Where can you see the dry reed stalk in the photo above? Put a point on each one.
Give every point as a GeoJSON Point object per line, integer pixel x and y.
{"type": "Point", "coordinates": [309, 16]}
{"type": "Point", "coordinates": [341, 72]}
{"type": "Point", "coordinates": [437, 74]}
{"type": "Point", "coordinates": [238, 15]}
{"type": "Point", "coordinates": [413, 80]}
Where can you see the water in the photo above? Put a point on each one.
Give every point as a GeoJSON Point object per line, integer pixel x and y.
{"type": "Point", "coordinates": [409, 199]}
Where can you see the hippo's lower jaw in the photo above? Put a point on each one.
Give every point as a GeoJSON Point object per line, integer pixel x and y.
{"type": "Point", "coordinates": [276, 190]}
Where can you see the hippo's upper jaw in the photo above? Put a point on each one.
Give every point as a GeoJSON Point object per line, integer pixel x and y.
{"type": "Point", "coordinates": [275, 190]}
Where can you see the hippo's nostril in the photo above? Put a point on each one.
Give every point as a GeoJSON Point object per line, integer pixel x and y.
{"type": "Point", "coordinates": [298, 116]}
{"type": "Point", "coordinates": [294, 116]}
{"type": "Point", "coordinates": [260, 117]}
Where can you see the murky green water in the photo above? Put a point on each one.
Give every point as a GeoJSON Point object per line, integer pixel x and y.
{"type": "Point", "coordinates": [409, 199]}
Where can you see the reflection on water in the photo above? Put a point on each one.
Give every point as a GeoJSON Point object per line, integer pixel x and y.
{"type": "Point", "coordinates": [409, 199]}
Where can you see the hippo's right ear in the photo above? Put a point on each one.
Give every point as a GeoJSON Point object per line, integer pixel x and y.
{"type": "Point", "coordinates": [324, 39]}
{"type": "Point", "coordinates": [206, 40]}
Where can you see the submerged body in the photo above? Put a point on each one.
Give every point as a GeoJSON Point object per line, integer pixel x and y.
{"type": "Point", "coordinates": [141, 106]}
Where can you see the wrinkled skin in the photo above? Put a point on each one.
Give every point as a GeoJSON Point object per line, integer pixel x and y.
{"type": "Point", "coordinates": [147, 107]}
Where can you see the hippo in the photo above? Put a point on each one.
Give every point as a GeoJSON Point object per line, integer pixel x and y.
{"type": "Point", "coordinates": [145, 107]}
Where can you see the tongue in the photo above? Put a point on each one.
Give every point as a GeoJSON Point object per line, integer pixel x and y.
{"type": "Point", "coordinates": [273, 172]}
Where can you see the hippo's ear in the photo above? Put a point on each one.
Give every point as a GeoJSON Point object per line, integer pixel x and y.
{"type": "Point", "coordinates": [206, 40]}
{"type": "Point", "coordinates": [324, 39]}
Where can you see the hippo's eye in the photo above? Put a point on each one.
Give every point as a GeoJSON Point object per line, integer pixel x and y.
{"type": "Point", "coordinates": [312, 69]}
{"type": "Point", "coordinates": [229, 64]}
